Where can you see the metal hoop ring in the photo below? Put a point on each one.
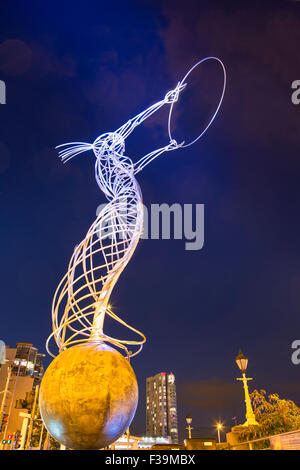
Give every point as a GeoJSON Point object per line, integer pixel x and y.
{"type": "Point", "coordinates": [217, 109]}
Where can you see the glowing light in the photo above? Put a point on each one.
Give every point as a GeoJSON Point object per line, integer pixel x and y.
{"type": "Point", "coordinates": [81, 300]}
{"type": "Point", "coordinates": [56, 428]}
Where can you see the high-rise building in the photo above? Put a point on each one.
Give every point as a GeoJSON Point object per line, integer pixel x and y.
{"type": "Point", "coordinates": [161, 407]}
{"type": "Point", "coordinates": [21, 373]}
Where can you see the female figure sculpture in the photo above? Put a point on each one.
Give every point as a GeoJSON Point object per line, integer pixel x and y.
{"type": "Point", "coordinates": [89, 392]}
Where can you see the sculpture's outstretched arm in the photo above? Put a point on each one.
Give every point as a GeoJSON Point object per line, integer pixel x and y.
{"type": "Point", "coordinates": [130, 125]}
{"type": "Point", "coordinates": [140, 164]}
{"type": "Point", "coordinates": [71, 149]}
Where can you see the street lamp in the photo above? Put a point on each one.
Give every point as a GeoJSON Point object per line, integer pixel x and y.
{"type": "Point", "coordinates": [242, 363]}
{"type": "Point", "coordinates": [219, 427]}
{"type": "Point", "coordinates": [189, 428]}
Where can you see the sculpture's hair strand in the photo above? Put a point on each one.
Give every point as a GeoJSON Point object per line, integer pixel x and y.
{"type": "Point", "coordinates": [73, 149]}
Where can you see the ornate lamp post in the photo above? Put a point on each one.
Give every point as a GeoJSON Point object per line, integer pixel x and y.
{"type": "Point", "coordinates": [242, 363]}
{"type": "Point", "coordinates": [189, 428]}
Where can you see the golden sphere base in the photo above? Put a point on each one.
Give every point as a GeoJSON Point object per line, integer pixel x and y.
{"type": "Point", "coordinates": [88, 396]}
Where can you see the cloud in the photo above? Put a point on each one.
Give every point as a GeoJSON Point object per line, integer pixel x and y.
{"type": "Point", "coordinates": [210, 395]}
{"type": "Point", "coordinates": [19, 58]}
{"type": "Point", "coordinates": [15, 57]}
{"type": "Point", "coordinates": [260, 50]}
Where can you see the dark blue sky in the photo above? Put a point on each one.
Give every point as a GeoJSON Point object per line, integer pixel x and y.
{"type": "Point", "coordinates": [76, 69]}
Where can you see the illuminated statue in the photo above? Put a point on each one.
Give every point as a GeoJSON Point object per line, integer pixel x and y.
{"type": "Point", "coordinates": [89, 392]}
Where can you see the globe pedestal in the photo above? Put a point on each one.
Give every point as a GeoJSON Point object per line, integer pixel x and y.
{"type": "Point", "coordinates": [88, 396]}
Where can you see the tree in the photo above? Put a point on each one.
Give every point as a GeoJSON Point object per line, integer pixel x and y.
{"type": "Point", "coordinates": [274, 416]}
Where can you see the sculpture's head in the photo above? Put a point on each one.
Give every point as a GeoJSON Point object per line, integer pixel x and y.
{"type": "Point", "coordinates": [109, 146]}
{"type": "Point", "coordinates": [109, 143]}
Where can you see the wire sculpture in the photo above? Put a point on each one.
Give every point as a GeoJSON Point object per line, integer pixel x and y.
{"type": "Point", "coordinates": [81, 300]}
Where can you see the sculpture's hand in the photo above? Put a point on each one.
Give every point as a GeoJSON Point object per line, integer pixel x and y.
{"type": "Point", "coordinates": [173, 145]}
{"type": "Point", "coordinates": [172, 96]}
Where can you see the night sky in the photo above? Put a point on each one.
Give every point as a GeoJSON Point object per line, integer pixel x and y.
{"type": "Point", "coordinates": [74, 70]}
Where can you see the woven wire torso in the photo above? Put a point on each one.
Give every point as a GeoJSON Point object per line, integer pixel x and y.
{"type": "Point", "coordinates": [99, 259]}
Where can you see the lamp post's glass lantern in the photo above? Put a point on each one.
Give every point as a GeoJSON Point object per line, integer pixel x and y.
{"type": "Point", "coordinates": [241, 361]}
{"type": "Point", "coordinates": [189, 419]}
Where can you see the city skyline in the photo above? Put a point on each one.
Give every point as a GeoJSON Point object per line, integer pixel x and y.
{"type": "Point", "coordinates": [22, 369]}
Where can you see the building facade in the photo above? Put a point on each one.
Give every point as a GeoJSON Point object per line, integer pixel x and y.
{"type": "Point", "coordinates": [128, 442]}
{"type": "Point", "coordinates": [161, 407]}
{"type": "Point", "coordinates": [21, 372]}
